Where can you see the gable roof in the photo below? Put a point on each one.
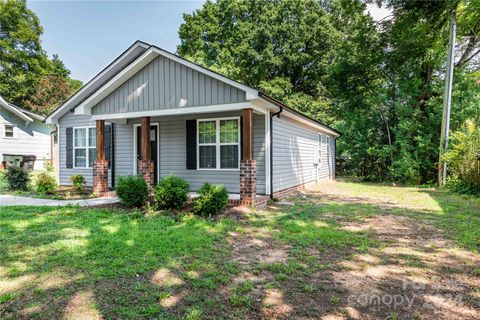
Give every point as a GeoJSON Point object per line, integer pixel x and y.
{"type": "Point", "coordinates": [123, 60]}
{"type": "Point", "coordinates": [25, 115]}
{"type": "Point", "coordinates": [137, 56]}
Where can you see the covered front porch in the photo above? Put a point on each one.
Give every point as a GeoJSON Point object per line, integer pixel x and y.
{"type": "Point", "coordinates": [228, 147]}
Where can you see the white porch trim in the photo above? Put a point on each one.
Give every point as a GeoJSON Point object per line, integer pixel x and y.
{"type": "Point", "coordinates": [177, 111]}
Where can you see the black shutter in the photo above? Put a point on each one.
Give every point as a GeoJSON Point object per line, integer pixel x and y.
{"type": "Point", "coordinates": [241, 138]}
{"type": "Point", "coordinates": [108, 144]}
{"type": "Point", "coordinates": [69, 147]}
{"type": "Point", "coordinates": [191, 144]}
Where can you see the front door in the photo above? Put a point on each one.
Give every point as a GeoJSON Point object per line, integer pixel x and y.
{"type": "Point", "coordinates": [153, 146]}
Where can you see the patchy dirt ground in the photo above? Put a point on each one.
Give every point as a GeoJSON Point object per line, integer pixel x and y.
{"type": "Point", "coordinates": [415, 272]}
{"type": "Point", "coordinates": [342, 251]}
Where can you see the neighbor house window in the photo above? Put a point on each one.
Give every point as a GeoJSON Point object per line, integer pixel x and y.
{"type": "Point", "coordinates": [219, 143]}
{"type": "Point", "coordinates": [8, 131]}
{"type": "Point", "coordinates": [319, 147]}
{"type": "Point", "coordinates": [84, 145]}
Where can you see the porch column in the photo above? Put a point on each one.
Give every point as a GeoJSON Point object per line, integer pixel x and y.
{"type": "Point", "coordinates": [248, 166]}
{"type": "Point", "coordinates": [145, 166]}
{"type": "Point", "coordinates": [100, 165]}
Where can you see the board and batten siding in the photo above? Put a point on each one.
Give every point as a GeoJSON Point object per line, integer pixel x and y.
{"type": "Point", "coordinates": [294, 148]}
{"type": "Point", "coordinates": [166, 84]}
{"type": "Point", "coordinates": [34, 139]}
{"type": "Point", "coordinates": [70, 120]}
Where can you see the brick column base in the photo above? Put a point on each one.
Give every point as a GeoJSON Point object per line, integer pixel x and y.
{"type": "Point", "coordinates": [146, 169]}
{"type": "Point", "coordinates": [100, 176]}
{"type": "Point", "coordinates": [248, 181]}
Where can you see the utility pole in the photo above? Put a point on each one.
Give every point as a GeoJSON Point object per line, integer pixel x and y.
{"type": "Point", "coordinates": [447, 102]}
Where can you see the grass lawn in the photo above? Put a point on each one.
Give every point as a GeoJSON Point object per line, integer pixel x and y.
{"type": "Point", "coordinates": [326, 256]}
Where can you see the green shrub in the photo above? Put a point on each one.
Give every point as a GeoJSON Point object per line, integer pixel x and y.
{"type": "Point", "coordinates": [132, 190]}
{"type": "Point", "coordinates": [45, 183]}
{"type": "Point", "coordinates": [463, 159]}
{"type": "Point", "coordinates": [3, 182]}
{"type": "Point", "coordinates": [213, 198]}
{"type": "Point", "coordinates": [17, 178]}
{"type": "Point", "coordinates": [172, 193]}
{"type": "Point", "coordinates": [78, 182]}
{"type": "Point", "coordinates": [48, 165]}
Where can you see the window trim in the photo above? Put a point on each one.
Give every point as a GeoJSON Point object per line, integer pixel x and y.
{"type": "Point", "coordinates": [320, 145]}
{"type": "Point", "coordinates": [14, 136]}
{"type": "Point", "coordinates": [87, 146]}
{"type": "Point", "coordinates": [218, 144]}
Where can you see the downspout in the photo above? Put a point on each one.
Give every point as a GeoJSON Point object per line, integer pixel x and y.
{"type": "Point", "coordinates": [271, 148]}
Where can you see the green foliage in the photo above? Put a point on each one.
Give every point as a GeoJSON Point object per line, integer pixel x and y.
{"type": "Point", "coordinates": [17, 178]}
{"type": "Point", "coordinates": [213, 198]}
{"type": "Point", "coordinates": [380, 83]}
{"type": "Point", "coordinates": [3, 182]}
{"type": "Point", "coordinates": [463, 159]}
{"type": "Point", "coordinates": [132, 190]}
{"type": "Point", "coordinates": [78, 182]}
{"type": "Point", "coordinates": [29, 78]}
{"type": "Point", "coordinates": [45, 183]}
{"type": "Point", "coordinates": [172, 192]}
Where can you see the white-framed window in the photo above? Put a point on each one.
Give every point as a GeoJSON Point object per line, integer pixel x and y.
{"type": "Point", "coordinates": [327, 142]}
{"type": "Point", "coordinates": [319, 148]}
{"type": "Point", "coordinates": [218, 144]}
{"type": "Point", "coordinates": [84, 147]}
{"type": "Point", "coordinates": [9, 131]}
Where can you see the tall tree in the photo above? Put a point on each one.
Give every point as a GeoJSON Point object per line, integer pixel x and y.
{"type": "Point", "coordinates": [28, 77]}
{"type": "Point", "coordinates": [21, 56]}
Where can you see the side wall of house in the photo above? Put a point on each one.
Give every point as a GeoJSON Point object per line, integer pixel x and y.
{"type": "Point", "coordinates": [295, 146]}
{"type": "Point", "coordinates": [33, 139]}
{"type": "Point", "coordinates": [71, 120]}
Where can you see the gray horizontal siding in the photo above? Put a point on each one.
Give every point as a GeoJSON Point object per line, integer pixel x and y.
{"type": "Point", "coordinates": [72, 120]}
{"type": "Point", "coordinates": [166, 84]}
{"type": "Point", "coordinates": [294, 147]}
{"type": "Point", "coordinates": [259, 150]}
{"type": "Point", "coordinates": [172, 144]}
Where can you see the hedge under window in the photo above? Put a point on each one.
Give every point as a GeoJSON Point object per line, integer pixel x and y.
{"type": "Point", "coordinates": [218, 143]}
{"type": "Point", "coordinates": [84, 145]}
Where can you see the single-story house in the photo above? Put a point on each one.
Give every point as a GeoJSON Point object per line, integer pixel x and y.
{"type": "Point", "coordinates": [24, 138]}
{"type": "Point", "coordinates": [153, 113]}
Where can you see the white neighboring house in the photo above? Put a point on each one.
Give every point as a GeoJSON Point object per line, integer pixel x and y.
{"type": "Point", "coordinates": [23, 134]}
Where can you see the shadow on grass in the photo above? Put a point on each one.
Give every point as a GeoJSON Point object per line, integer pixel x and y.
{"type": "Point", "coordinates": [102, 261]}
{"type": "Point", "coordinates": [302, 261]}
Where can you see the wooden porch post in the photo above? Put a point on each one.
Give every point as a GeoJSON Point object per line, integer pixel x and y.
{"type": "Point", "coordinates": [100, 165]}
{"type": "Point", "coordinates": [247, 134]}
{"type": "Point", "coordinates": [145, 166]}
{"type": "Point", "coordinates": [145, 151]}
{"type": "Point", "coordinates": [100, 145]}
{"type": "Point", "coordinates": [248, 166]}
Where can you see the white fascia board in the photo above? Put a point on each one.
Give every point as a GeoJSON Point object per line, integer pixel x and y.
{"type": "Point", "coordinates": [270, 106]}
{"type": "Point", "coordinates": [309, 122]}
{"type": "Point", "coordinates": [176, 111]}
{"type": "Point", "coordinates": [53, 118]}
{"type": "Point", "coordinates": [250, 92]}
{"type": "Point", "coordinates": [86, 106]}
{"type": "Point", "coordinates": [15, 111]}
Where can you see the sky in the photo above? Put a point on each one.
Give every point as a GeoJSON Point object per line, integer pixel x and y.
{"type": "Point", "coordinates": [88, 35]}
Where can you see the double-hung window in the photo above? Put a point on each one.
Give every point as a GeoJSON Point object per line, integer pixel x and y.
{"type": "Point", "coordinates": [218, 143]}
{"type": "Point", "coordinates": [319, 148]}
{"type": "Point", "coordinates": [9, 131]}
{"type": "Point", "coordinates": [84, 146]}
